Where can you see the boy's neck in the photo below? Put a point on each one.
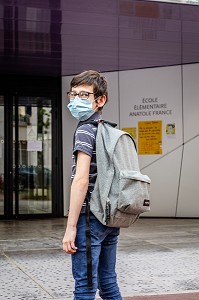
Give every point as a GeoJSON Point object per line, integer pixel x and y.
{"type": "Point", "coordinates": [95, 116]}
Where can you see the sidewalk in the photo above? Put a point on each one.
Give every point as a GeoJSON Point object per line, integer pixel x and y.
{"type": "Point", "coordinates": [158, 259]}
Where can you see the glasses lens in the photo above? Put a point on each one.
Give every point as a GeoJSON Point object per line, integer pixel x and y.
{"type": "Point", "coordinates": [71, 95]}
{"type": "Point", "coordinates": [83, 95]}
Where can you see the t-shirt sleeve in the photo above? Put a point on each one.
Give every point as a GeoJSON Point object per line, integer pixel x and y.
{"type": "Point", "coordinates": [84, 140]}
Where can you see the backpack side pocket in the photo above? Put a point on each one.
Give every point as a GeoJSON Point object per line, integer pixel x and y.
{"type": "Point", "coordinates": [133, 192]}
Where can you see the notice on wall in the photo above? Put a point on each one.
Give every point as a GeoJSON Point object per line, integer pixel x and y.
{"type": "Point", "coordinates": [34, 146]}
{"type": "Point", "coordinates": [31, 133]}
{"type": "Point", "coordinates": [149, 137]}
{"type": "Point", "coordinates": [170, 129]}
{"type": "Point", "coordinates": [131, 131]}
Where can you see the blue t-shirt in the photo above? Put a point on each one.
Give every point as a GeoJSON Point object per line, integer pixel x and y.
{"type": "Point", "coordinates": [85, 141]}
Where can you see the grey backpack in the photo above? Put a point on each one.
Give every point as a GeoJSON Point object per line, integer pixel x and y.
{"type": "Point", "coordinates": [121, 192]}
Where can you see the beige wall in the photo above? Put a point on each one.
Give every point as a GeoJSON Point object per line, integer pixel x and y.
{"type": "Point", "coordinates": [174, 189]}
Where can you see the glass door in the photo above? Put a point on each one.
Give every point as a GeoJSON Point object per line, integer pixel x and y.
{"type": "Point", "coordinates": [31, 184]}
{"type": "Point", "coordinates": [32, 155]}
{"type": "Point", "coordinates": [1, 155]}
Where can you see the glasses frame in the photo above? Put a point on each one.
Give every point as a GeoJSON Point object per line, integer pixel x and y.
{"type": "Point", "coordinates": [78, 94]}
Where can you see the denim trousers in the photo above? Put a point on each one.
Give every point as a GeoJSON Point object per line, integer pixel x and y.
{"type": "Point", "coordinates": [103, 249]}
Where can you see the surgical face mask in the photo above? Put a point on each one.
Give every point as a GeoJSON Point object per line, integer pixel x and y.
{"type": "Point", "coordinates": [81, 109]}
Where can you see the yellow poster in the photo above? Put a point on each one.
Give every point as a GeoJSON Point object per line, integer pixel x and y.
{"type": "Point", "coordinates": [131, 131]}
{"type": "Point", "coordinates": [149, 137]}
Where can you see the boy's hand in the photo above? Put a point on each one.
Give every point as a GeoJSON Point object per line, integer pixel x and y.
{"type": "Point", "coordinates": [69, 240]}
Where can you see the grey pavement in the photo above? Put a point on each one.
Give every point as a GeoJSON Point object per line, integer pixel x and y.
{"type": "Point", "coordinates": [158, 258]}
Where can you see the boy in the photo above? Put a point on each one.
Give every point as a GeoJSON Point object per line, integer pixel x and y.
{"type": "Point", "coordinates": [88, 94]}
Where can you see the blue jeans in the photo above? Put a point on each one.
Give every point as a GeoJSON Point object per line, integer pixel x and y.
{"type": "Point", "coordinates": [103, 247]}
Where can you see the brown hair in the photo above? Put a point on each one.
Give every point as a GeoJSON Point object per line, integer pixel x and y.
{"type": "Point", "coordinates": [94, 78]}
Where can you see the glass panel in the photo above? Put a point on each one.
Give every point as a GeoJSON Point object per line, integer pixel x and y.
{"type": "Point", "coordinates": [1, 155]}
{"type": "Point", "coordinates": [33, 168]}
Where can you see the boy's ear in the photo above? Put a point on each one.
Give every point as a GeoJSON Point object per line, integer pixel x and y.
{"type": "Point", "coordinates": [101, 101]}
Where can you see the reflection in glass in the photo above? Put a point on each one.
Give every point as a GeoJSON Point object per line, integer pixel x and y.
{"type": "Point", "coordinates": [33, 168]}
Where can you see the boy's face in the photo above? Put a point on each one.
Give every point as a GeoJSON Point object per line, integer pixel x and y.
{"type": "Point", "coordinates": [100, 101]}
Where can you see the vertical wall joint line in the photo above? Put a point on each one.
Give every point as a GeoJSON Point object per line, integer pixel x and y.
{"type": "Point", "coordinates": [182, 91]}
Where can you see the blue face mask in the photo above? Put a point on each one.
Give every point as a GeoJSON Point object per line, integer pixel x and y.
{"type": "Point", "coordinates": [81, 109]}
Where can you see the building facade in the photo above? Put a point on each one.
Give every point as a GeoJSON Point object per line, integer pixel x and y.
{"type": "Point", "coordinates": [149, 52]}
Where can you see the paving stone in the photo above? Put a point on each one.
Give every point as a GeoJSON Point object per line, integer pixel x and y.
{"type": "Point", "coordinates": [156, 256]}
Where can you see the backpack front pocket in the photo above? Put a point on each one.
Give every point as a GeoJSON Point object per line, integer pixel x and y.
{"type": "Point", "coordinates": [133, 192]}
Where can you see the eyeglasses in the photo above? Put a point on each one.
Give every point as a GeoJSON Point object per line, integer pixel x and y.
{"type": "Point", "coordinates": [83, 95]}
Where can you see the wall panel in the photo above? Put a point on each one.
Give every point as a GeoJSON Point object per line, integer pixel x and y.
{"type": "Point", "coordinates": [158, 86]}
{"type": "Point", "coordinates": [164, 174]}
{"type": "Point", "coordinates": [190, 100]}
{"type": "Point", "coordinates": [188, 202]}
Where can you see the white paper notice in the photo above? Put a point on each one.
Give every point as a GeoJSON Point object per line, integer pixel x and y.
{"type": "Point", "coordinates": [34, 146]}
{"type": "Point", "coordinates": [31, 133]}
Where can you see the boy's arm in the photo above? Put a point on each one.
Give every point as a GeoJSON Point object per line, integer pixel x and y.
{"type": "Point", "coordinates": [79, 189]}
